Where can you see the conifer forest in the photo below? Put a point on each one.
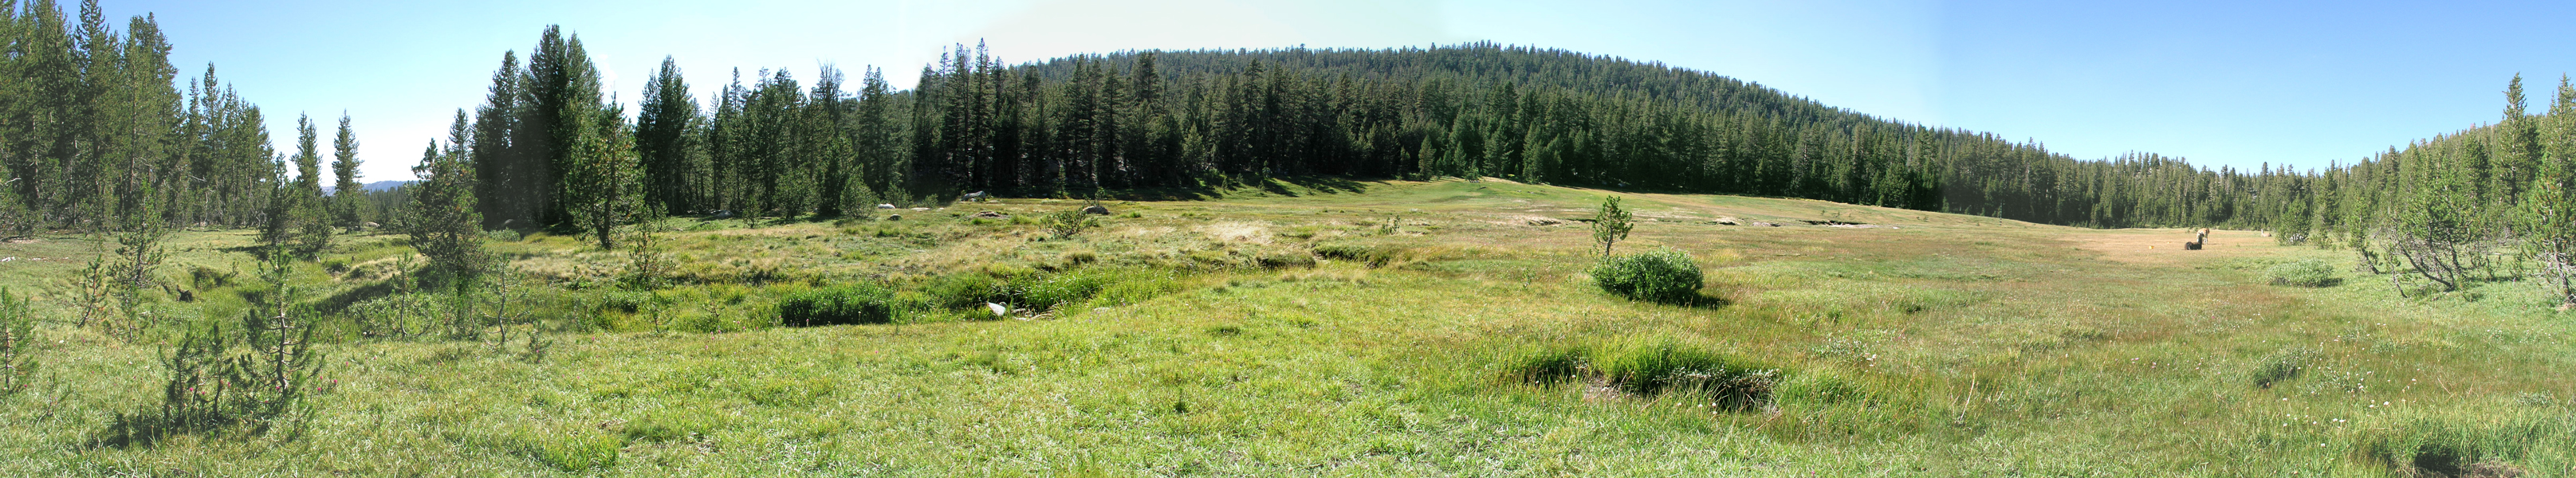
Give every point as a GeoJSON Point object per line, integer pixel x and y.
{"type": "Point", "coordinates": [1472, 258]}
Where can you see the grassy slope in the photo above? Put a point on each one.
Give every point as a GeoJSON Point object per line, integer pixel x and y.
{"type": "Point", "coordinates": [1988, 347]}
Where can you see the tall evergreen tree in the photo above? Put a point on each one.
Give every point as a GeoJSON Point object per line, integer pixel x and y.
{"type": "Point", "coordinates": [348, 195]}
{"type": "Point", "coordinates": [664, 125]}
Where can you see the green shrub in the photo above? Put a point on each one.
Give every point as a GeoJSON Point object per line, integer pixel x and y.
{"type": "Point", "coordinates": [1730, 381]}
{"type": "Point", "coordinates": [843, 305]}
{"type": "Point", "coordinates": [2303, 273]}
{"type": "Point", "coordinates": [1665, 276]}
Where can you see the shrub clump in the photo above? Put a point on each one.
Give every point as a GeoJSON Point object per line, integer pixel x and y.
{"type": "Point", "coordinates": [2304, 273]}
{"type": "Point", "coordinates": [1664, 277]}
{"type": "Point", "coordinates": [843, 305]}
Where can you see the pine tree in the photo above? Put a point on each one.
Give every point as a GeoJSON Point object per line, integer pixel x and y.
{"type": "Point", "coordinates": [609, 178]}
{"type": "Point", "coordinates": [442, 219]}
{"type": "Point", "coordinates": [348, 195]}
{"type": "Point", "coordinates": [2551, 211]}
{"type": "Point", "coordinates": [663, 125]}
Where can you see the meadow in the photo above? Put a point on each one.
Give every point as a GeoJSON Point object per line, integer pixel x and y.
{"type": "Point", "coordinates": [1346, 329]}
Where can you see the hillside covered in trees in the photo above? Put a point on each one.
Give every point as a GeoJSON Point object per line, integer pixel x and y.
{"type": "Point", "coordinates": [97, 136]}
{"type": "Point", "coordinates": [98, 131]}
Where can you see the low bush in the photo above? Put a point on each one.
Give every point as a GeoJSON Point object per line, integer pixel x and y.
{"type": "Point", "coordinates": [1665, 277]}
{"type": "Point", "coordinates": [842, 305]}
{"type": "Point", "coordinates": [2303, 273]}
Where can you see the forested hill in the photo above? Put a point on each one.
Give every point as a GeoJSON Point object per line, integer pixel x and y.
{"type": "Point", "coordinates": [1536, 115]}
{"type": "Point", "coordinates": [98, 133]}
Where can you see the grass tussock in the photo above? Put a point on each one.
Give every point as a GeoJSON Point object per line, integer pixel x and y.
{"type": "Point", "coordinates": [2302, 273]}
{"type": "Point", "coordinates": [1668, 369]}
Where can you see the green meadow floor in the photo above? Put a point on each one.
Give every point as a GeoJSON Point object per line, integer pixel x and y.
{"type": "Point", "coordinates": [1961, 346]}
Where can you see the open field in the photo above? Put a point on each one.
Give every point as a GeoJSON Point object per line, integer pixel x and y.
{"type": "Point", "coordinates": [1368, 329]}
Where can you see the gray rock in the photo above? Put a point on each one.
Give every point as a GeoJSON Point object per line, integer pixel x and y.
{"type": "Point", "coordinates": [885, 206]}
{"type": "Point", "coordinates": [1095, 210]}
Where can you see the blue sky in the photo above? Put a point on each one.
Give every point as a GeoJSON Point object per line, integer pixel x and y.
{"type": "Point", "coordinates": [2222, 83]}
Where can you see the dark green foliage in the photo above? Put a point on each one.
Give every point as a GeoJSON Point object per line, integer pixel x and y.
{"type": "Point", "coordinates": [841, 305]}
{"type": "Point", "coordinates": [1664, 277]}
{"type": "Point", "coordinates": [443, 220]}
{"type": "Point", "coordinates": [348, 194]}
{"type": "Point", "coordinates": [2283, 365]}
{"type": "Point", "coordinates": [2302, 273]}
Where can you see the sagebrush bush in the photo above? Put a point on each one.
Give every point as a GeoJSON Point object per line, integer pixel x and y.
{"type": "Point", "coordinates": [841, 305]}
{"type": "Point", "coordinates": [1665, 276]}
{"type": "Point", "coordinates": [2303, 273]}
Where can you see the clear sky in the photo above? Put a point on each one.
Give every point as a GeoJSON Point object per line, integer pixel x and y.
{"type": "Point", "coordinates": [2223, 83]}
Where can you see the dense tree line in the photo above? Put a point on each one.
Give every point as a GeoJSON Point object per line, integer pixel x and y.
{"type": "Point", "coordinates": [96, 133]}
{"type": "Point", "coordinates": [2486, 204]}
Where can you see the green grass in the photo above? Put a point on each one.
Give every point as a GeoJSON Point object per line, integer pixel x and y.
{"type": "Point", "coordinates": [1435, 332]}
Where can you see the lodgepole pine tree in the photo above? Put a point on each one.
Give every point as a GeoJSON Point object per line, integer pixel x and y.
{"type": "Point", "coordinates": [348, 196]}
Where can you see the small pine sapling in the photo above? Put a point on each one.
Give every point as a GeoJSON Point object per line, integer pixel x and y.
{"type": "Point", "coordinates": [17, 343]}
{"type": "Point", "coordinates": [1611, 224]}
{"type": "Point", "coordinates": [1067, 223]}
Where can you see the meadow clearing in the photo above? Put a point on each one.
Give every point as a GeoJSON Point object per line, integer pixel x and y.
{"type": "Point", "coordinates": [1348, 329]}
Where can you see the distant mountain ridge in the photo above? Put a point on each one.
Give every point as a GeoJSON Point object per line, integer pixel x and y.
{"type": "Point", "coordinates": [377, 186]}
